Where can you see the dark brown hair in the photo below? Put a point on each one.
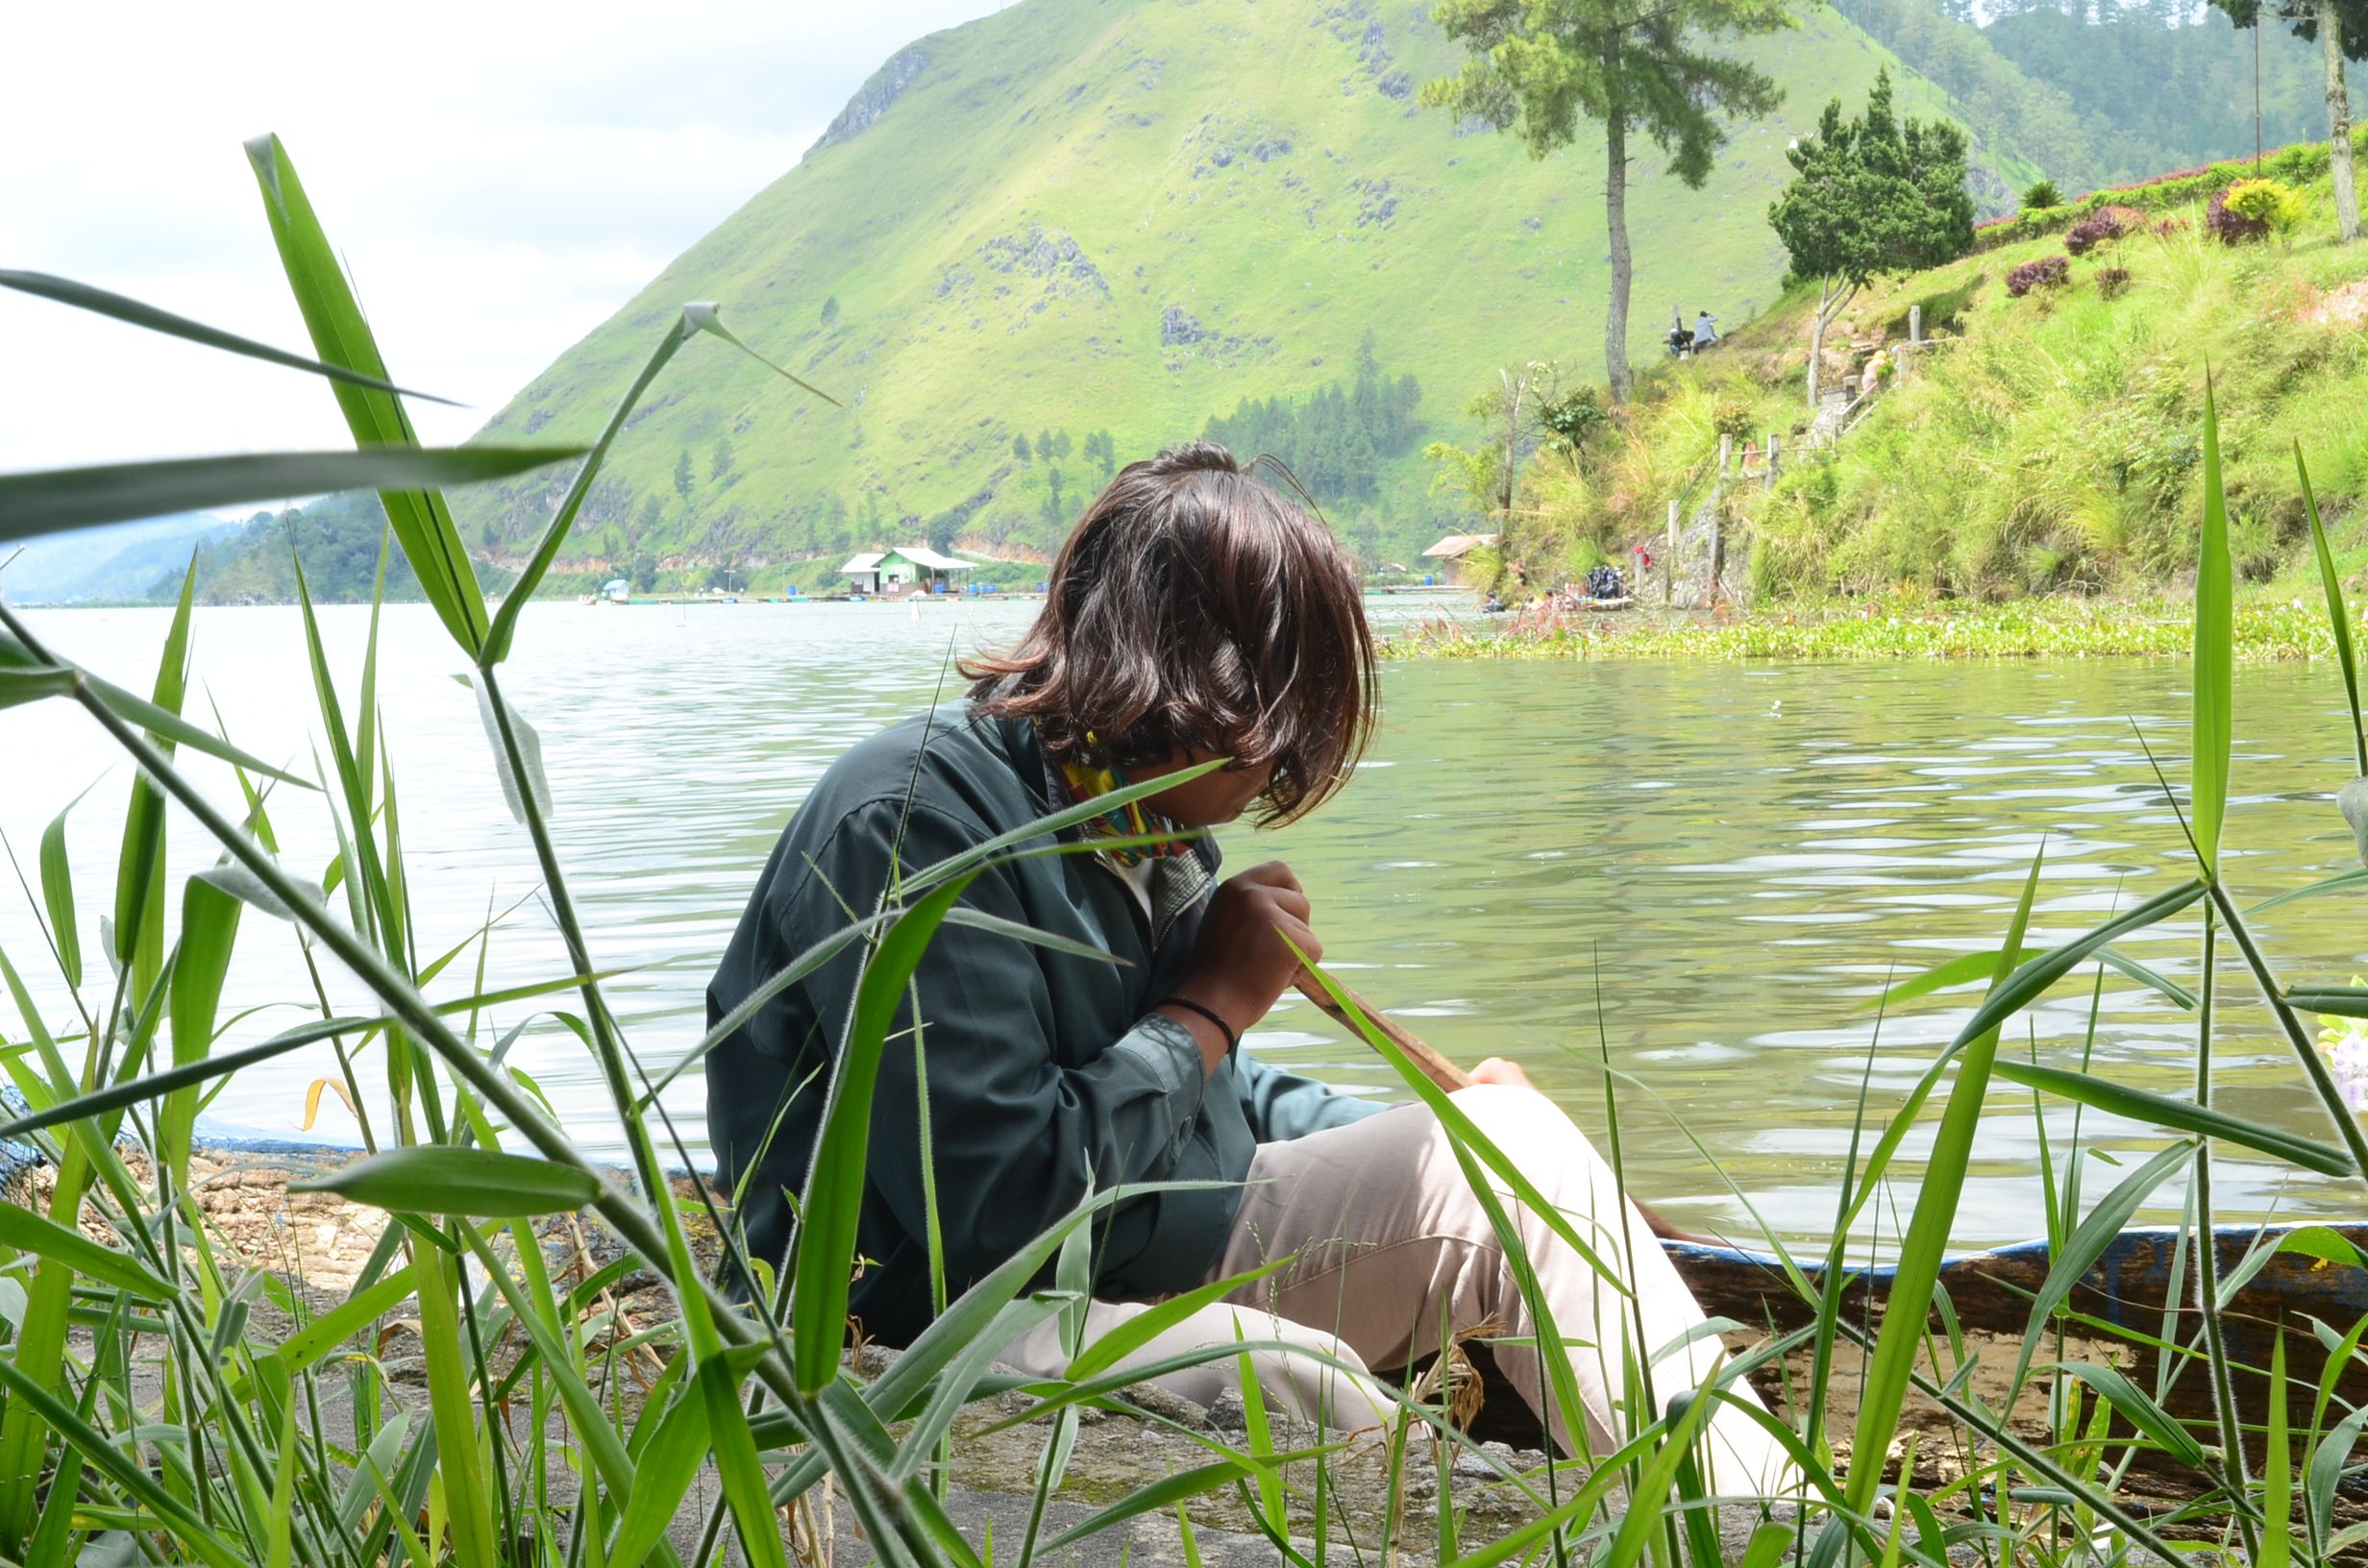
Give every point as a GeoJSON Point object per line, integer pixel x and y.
{"type": "Point", "coordinates": [1195, 610]}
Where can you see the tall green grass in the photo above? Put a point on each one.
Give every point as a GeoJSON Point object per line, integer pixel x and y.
{"type": "Point", "coordinates": [151, 1410]}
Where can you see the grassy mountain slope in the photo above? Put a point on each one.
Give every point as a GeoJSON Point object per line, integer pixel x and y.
{"type": "Point", "coordinates": [2052, 444]}
{"type": "Point", "coordinates": [1077, 215]}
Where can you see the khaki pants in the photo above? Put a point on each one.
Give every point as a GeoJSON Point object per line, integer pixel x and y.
{"type": "Point", "coordinates": [1389, 1239]}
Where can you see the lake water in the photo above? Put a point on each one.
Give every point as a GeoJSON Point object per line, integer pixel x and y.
{"type": "Point", "coordinates": [1715, 865]}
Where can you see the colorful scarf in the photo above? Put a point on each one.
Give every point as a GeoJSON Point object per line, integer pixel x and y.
{"type": "Point", "coordinates": [1131, 820]}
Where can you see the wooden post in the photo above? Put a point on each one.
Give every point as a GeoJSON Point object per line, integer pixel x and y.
{"type": "Point", "coordinates": [1719, 493]}
{"type": "Point", "coordinates": [1915, 324]}
{"type": "Point", "coordinates": [1668, 558]}
{"type": "Point", "coordinates": [1769, 477]}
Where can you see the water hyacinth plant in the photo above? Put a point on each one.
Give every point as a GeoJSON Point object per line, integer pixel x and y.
{"type": "Point", "coordinates": [163, 1400]}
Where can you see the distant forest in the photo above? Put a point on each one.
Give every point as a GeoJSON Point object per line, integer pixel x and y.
{"type": "Point", "coordinates": [2103, 93]}
{"type": "Point", "coordinates": [1335, 440]}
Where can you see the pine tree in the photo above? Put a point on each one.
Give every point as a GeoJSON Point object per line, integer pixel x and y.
{"type": "Point", "coordinates": [1870, 196]}
{"type": "Point", "coordinates": [1537, 69]}
{"type": "Point", "coordinates": [682, 474]}
{"type": "Point", "coordinates": [720, 463]}
{"type": "Point", "coordinates": [1019, 447]}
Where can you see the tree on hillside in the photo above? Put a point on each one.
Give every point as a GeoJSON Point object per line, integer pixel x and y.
{"type": "Point", "coordinates": [682, 474]}
{"type": "Point", "coordinates": [1061, 444]}
{"type": "Point", "coordinates": [1019, 447]}
{"type": "Point", "coordinates": [1539, 66]}
{"type": "Point", "coordinates": [2340, 30]}
{"type": "Point", "coordinates": [650, 512]}
{"type": "Point", "coordinates": [1044, 445]}
{"type": "Point", "coordinates": [1870, 196]}
{"type": "Point", "coordinates": [1489, 473]}
{"type": "Point", "coordinates": [720, 464]}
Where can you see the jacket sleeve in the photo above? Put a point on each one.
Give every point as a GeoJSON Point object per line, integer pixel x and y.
{"type": "Point", "coordinates": [1281, 1106]}
{"type": "Point", "coordinates": [1018, 1138]}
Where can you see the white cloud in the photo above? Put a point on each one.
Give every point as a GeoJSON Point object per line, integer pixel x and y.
{"type": "Point", "coordinates": [499, 176]}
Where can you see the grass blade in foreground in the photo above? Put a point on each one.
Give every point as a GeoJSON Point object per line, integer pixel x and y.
{"type": "Point", "coordinates": [436, 1179]}
{"type": "Point", "coordinates": [57, 500]}
{"type": "Point", "coordinates": [1886, 1386]}
{"type": "Point", "coordinates": [2215, 641]}
{"type": "Point", "coordinates": [834, 1188]}
{"type": "Point", "coordinates": [341, 335]}
{"type": "Point", "coordinates": [124, 309]}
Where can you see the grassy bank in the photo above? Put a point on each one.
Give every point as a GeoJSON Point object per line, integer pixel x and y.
{"type": "Point", "coordinates": [2266, 630]}
{"type": "Point", "coordinates": [2046, 444]}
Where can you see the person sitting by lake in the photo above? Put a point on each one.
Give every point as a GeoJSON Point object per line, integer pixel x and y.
{"type": "Point", "coordinates": [1705, 331]}
{"type": "Point", "coordinates": [1680, 340]}
{"type": "Point", "coordinates": [1194, 615]}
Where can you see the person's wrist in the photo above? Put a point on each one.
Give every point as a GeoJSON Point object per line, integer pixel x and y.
{"type": "Point", "coordinates": [1215, 1017]}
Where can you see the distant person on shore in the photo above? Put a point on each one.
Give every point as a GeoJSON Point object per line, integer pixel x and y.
{"type": "Point", "coordinates": [1705, 331]}
{"type": "Point", "coordinates": [1681, 341]}
{"type": "Point", "coordinates": [1194, 615]}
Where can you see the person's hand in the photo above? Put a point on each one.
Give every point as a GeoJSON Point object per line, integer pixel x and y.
{"type": "Point", "coordinates": [1241, 965]}
{"type": "Point", "coordinates": [1498, 1070]}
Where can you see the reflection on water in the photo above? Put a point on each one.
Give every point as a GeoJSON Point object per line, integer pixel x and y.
{"type": "Point", "coordinates": [1705, 871]}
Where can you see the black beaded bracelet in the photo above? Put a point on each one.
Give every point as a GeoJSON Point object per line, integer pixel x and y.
{"type": "Point", "coordinates": [1233, 1041]}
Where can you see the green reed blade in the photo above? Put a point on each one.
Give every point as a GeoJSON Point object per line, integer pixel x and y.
{"type": "Point", "coordinates": [2024, 984]}
{"type": "Point", "coordinates": [664, 1469]}
{"type": "Point", "coordinates": [26, 1231]}
{"type": "Point", "coordinates": [59, 499]}
{"type": "Point", "coordinates": [736, 1463]}
{"type": "Point", "coordinates": [139, 868]}
{"type": "Point", "coordinates": [17, 655]}
{"type": "Point", "coordinates": [834, 1188]}
{"type": "Point", "coordinates": [2071, 1262]}
{"type": "Point", "coordinates": [2320, 1241]}
{"type": "Point", "coordinates": [2339, 614]}
{"type": "Point", "coordinates": [160, 1085]}
{"type": "Point", "coordinates": [451, 1410]}
{"type": "Point", "coordinates": [703, 317]}
{"type": "Point", "coordinates": [189, 1533]}
{"type": "Point", "coordinates": [2334, 1453]}
{"type": "Point", "coordinates": [58, 894]}
{"type": "Point", "coordinates": [1885, 1388]}
{"type": "Point", "coordinates": [1162, 1495]}
{"type": "Point", "coordinates": [2216, 640]}
{"type": "Point", "coordinates": [505, 625]}
{"type": "Point", "coordinates": [2334, 1001]}
{"type": "Point", "coordinates": [2341, 882]}
{"type": "Point", "coordinates": [2277, 1469]}
{"type": "Point", "coordinates": [1967, 968]}
{"type": "Point", "coordinates": [209, 932]}
{"type": "Point", "coordinates": [940, 1528]}
{"type": "Point", "coordinates": [436, 1179]}
{"type": "Point", "coordinates": [978, 857]}
{"type": "Point", "coordinates": [139, 313]}
{"type": "Point", "coordinates": [1466, 1132]}
{"type": "Point", "coordinates": [2178, 1115]}
{"type": "Point", "coordinates": [1148, 1325]}
{"type": "Point", "coordinates": [551, 1340]}
{"type": "Point", "coordinates": [342, 334]}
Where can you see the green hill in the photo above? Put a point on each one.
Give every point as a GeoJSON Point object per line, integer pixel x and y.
{"type": "Point", "coordinates": [1075, 216]}
{"type": "Point", "coordinates": [2051, 443]}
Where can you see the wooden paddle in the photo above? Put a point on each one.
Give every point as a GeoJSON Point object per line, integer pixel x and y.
{"type": "Point", "coordinates": [1446, 1075]}
{"type": "Point", "coordinates": [1434, 1066]}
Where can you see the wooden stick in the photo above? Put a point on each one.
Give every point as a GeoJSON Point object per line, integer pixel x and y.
{"type": "Point", "coordinates": [1434, 1066]}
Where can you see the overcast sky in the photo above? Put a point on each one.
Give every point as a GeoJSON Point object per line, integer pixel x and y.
{"type": "Point", "coordinates": [499, 175]}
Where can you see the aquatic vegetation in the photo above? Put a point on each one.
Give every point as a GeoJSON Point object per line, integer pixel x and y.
{"type": "Point", "coordinates": [469, 1401]}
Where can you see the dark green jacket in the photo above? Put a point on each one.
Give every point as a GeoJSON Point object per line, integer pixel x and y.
{"type": "Point", "coordinates": [1048, 1074]}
